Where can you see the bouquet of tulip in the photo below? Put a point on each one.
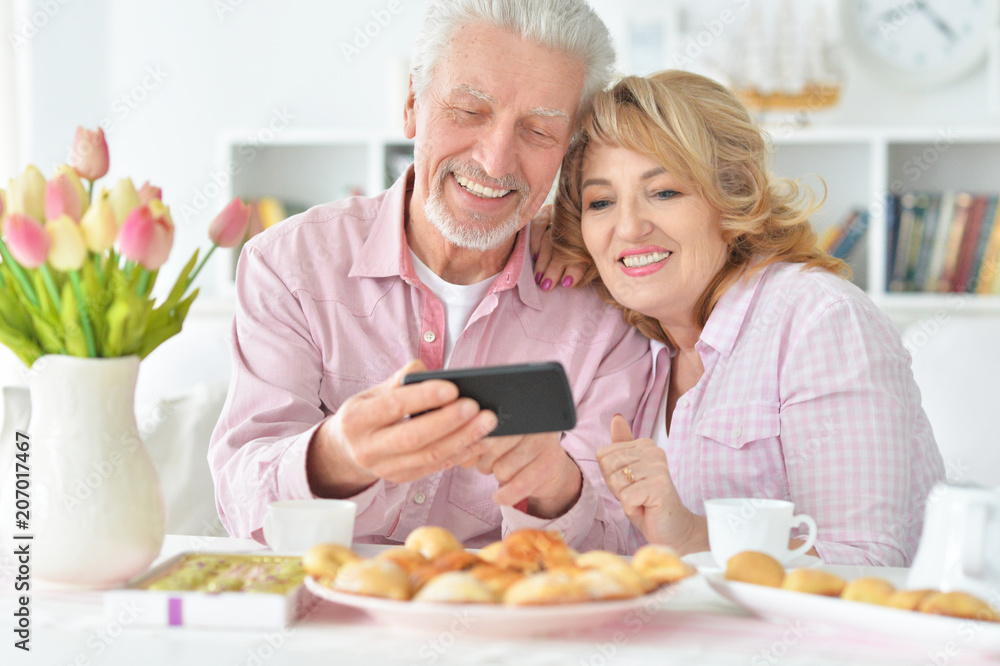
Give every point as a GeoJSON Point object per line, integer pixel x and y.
{"type": "Point", "coordinates": [77, 268]}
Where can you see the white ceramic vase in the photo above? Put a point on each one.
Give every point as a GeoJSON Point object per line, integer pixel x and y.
{"type": "Point", "coordinates": [97, 513]}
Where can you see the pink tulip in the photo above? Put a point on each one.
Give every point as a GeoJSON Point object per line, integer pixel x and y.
{"type": "Point", "coordinates": [62, 198]}
{"type": "Point", "coordinates": [26, 239]}
{"type": "Point", "coordinates": [147, 236]}
{"type": "Point", "coordinates": [149, 192]}
{"type": "Point", "coordinates": [90, 153]}
{"type": "Point", "coordinates": [230, 226]}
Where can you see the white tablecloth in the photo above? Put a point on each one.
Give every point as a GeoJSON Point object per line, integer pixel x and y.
{"type": "Point", "coordinates": [695, 627]}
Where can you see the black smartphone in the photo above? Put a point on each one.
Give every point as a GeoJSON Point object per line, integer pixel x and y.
{"type": "Point", "coordinates": [527, 398]}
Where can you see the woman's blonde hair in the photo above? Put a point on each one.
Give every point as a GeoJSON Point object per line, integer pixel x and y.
{"type": "Point", "coordinates": [702, 134]}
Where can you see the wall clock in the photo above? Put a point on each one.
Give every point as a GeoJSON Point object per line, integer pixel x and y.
{"type": "Point", "coordinates": [919, 43]}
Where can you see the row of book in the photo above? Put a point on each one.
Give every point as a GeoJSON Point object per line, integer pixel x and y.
{"type": "Point", "coordinates": [943, 242]}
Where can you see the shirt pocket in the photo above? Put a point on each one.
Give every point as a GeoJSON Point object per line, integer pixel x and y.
{"type": "Point", "coordinates": [334, 390]}
{"type": "Point", "coordinates": [736, 426]}
{"type": "Point", "coordinates": [472, 492]}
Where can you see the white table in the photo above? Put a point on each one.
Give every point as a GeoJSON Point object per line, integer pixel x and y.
{"type": "Point", "coordinates": [695, 627]}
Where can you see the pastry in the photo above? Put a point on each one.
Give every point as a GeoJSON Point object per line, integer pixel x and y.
{"type": "Point", "coordinates": [757, 568]}
{"type": "Point", "coordinates": [868, 590]}
{"type": "Point", "coordinates": [546, 588]}
{"type": "Point", "coordinates": [456, 587]}
{"type": "Point", "coordinates": [456, 560]}
{"type": "Point", "coordinates": [609, 583]}
{"type": "Point", "coordinates": [907, 599]}
{"type": "Point", "coordinates": [325, 559]}
{"type": "Point", "coordinates": [496, 578]}
{"type": "Point", "coordinates": [814, 581]}
{"type": "Point", "coordinates": [431, 541]}
{"type": "Point", "coordinates": [618, 567]}
{"type": "Point", "coordinates": [661, 564]}
{"type": "Point", "coordinates": [489, 553]}
{"type": "Point", "coordinates": [530, 550]}
{"type": "Point", "coordinates": [373, 578]}
{"type": "Point", "coordinates": [957, 604]}
{"type": "Point", "coordinates": [408, 560]}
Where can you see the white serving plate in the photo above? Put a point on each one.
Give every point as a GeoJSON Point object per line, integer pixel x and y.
{"type": "Point", "coordinates": [495, 620]}
{"type": "Point", "coordinates": [937, 632]}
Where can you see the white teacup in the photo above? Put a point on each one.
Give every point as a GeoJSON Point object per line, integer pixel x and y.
{"type": "Point", "coordinates": [960, 544]}
{"type": "Point", "coordinates": [294, 526]}
{"type": "Point", "coordinates": [763, 525]}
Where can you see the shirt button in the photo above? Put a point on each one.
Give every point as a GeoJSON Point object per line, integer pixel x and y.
{"type": "Point", "coordinates": [737, 431]}
{"type": "Point", "coordinates": [429, 336]}
{"type": "Point", "coordinates": [419, 498]}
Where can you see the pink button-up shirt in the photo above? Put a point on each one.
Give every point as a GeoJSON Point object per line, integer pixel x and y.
{"type": "Point", "coordinates": [328, 305]}
{"type": "Point", "coordinates": [807, 396]}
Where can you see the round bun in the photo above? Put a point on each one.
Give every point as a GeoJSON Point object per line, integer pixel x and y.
{"type": "Point", "coordinates": [373, 578]}
{"type": "Point", "coordinates": [907, 599]}
{"type": "Point", "coordinates": [757, 568]}
{"type": "Point", "coordinates": [548, 587]}
{"type": "Point", "coordinates": [661, 564]}
{"type": "Point", "coordinates": [957, 604]}
{"type": "Point", "coordinates": [456, 587]}
{"type": "Point", "coordinates": [324, 560]}
{"type": "Point", "coordinates": [619, 568]}
{"type": "Point", "coordinates": [814, 581]}
{"type": "Point", "coordinates": [610, 583]}
{"type": "Point", "coordinates": [530, 550]}
{"type": "Point", "coordinates": [432, 541]}
{"type": "Point", "coordinates": [489, 553]}
{"type": "Point", "coordinates": [868, 590]}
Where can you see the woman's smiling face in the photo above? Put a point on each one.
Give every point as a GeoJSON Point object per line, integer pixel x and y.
{"type": "Point", "coordinates": [656, 242]}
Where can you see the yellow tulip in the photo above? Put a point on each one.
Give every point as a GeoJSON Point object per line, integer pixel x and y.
{"type": "Point", "coordinates": [27, 193]}
{"type": "Point", "coordinates": [123, 199]}
{"type": "Point", "coordinates": [77, 184]}
{"type": "Point", "coordinates": [98, 224]}
{"type": "Point", "coordinates": [3, 204]}
{"type": "Point", "coordinates": [68, 250]}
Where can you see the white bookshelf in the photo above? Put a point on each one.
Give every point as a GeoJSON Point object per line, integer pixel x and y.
{"type": "Point", "coordinates": [858, 165]}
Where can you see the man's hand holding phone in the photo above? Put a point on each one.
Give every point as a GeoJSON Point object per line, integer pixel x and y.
{"type": "Point", "coordinates": [370, 437]}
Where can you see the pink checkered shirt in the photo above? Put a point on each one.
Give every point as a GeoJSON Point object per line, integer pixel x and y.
{"type": "Point", "coordinates": [328, 305]}
{"type": "Point", "coordinates": [807, 396]}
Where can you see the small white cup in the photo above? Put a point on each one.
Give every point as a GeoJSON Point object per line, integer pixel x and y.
{"type": "Point", "coordinates": [763, 525]}
{"type": "Point", "coordinates": [294, 526]}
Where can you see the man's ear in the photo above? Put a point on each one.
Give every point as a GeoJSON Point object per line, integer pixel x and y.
{"type": "Point", "coordinates": [410, 113]}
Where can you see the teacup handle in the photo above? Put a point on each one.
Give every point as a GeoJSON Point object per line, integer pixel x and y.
{"type": "Point", "coordinates": [807, 520]}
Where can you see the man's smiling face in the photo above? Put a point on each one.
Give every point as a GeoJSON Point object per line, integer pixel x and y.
{"type": "Point", "coordinates": [491, 130]}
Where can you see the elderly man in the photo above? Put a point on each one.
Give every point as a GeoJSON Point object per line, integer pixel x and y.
{"type": "Point", "coordinates": [333, 302]}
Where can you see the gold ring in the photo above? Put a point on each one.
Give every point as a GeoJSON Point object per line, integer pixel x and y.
{"type": "Point", "coordinates": [628, 474]}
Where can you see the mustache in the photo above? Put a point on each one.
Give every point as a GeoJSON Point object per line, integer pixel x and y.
{"type": "Point", "coordinates": [474, 170]}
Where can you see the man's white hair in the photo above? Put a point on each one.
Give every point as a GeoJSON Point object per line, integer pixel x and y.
{"type": "Point", "coordinates": [566, 26]}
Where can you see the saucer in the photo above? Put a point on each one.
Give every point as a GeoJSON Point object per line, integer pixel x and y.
{"type": "Point", "coordinates": [705, 563]}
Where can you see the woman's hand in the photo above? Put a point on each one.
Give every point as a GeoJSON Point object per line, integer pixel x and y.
{"type": "Point", "coordinates": [637, 473]}
{"type": "Point", "coordinates": [549, 271]}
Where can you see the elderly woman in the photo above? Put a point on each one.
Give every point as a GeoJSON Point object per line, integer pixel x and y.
{"type": "Point", "coordinates": [775, 377]}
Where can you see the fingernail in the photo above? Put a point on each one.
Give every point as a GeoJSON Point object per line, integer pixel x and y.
{"type": "Point", "coordinates": [567, 281]}
{"type": "Point", "coordinates": [538, 278]}
{"type": "Point", "coordinates": [534, 257]}
{"type": "Point", "coordinates": [547, 284]}
{"type": "Point", "coordinates": [489, 423]}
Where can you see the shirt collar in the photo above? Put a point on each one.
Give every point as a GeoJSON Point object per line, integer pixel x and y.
{"type": "Point", "coordinates": [386, 253]}
{"type": "Point", "coordinates": [728, 315]}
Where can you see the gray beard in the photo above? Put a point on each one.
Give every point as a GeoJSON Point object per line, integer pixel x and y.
{"type": "Point", "coordinates": [470, 238]}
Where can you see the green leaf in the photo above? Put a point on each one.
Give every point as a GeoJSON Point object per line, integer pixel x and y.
{"type": "Point", "coordinates": [23, 348]}
{"type": "Point", "coordinates": [76, 341]}
{"type": "Point", "coordinates": [175, 321]}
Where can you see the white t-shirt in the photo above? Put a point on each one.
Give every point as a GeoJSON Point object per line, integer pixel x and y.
{"type": "Point", "coordinates": [460, 301]}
